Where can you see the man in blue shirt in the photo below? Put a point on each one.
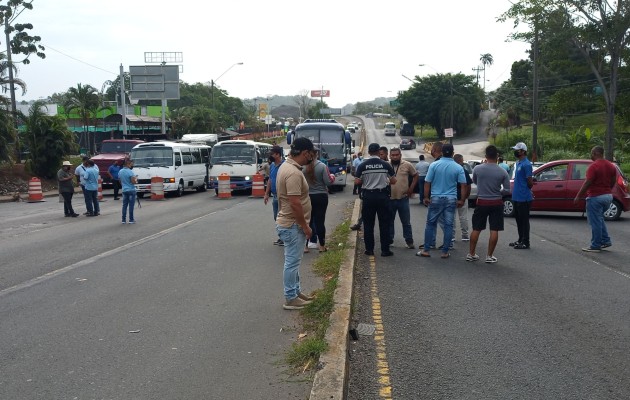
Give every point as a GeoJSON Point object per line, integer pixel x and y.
{"type": "Point", "coordinates": [522, 195]}
{"type": "Point", "coordinates": [441, 181]}
{"type": "Point", "coordinates": [113, 174]}
{"type": "Point", "coordinates": [275, 157]}
{"type": "Point", "coordinates": [90, 179]}
{"type": "Point", "coordinates": [128, 181]}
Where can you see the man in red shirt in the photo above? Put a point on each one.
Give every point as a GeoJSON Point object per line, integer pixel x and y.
{"type": "Point", "coordinates": [600, 179]}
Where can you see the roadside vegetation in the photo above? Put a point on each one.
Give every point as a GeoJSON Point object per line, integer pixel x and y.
{"type": "Point", "coordinates": [305, 353]}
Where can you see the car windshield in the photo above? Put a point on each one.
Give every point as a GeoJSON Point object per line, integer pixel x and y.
{"type": "Point", "coordinates": [152, 157]}
{"type": "Point", "coordinates": [117, 147]}
{"type": "Point", "coordinates": [237, 153]}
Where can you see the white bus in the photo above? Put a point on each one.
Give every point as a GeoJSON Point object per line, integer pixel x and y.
{"type": "Point", "coordinates": [209, 139]}
{"type": "Point", "coordinates": [181, 166]}
{"type": "Point", "coordinates": [241, 159]}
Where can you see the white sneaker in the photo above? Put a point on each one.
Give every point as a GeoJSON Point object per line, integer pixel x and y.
{"type": "Point", "coordinates": [472, 257]}
{"type": "Point", "coordinates": [491, 259]}
{"type": "Point", "coordinates": [312, 245]}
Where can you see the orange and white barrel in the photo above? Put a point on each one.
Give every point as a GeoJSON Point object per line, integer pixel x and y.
{"type": "Point", "coordinates": [258, 185]}
{"type": "Point", "coordinates": [35, 193]}
{"type": "Point", "coordinates": [100, 189]}
{"type": "Point", "coordinates": [225, 191]}
{"type": "Point", "coordinates": [157, 188]}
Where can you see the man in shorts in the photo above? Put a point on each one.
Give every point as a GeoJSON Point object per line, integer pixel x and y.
{"type": "Point", "coordinates": [490, 180]}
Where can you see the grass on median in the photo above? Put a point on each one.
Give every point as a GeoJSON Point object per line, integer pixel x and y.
{"type": "Point", "coordinates": [305, 353]}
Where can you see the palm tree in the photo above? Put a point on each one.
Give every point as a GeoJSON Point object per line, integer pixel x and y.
{"type": "Point", "coordinates": [486, 59]}
{"type": "Point", "coordinates": [84, 100]}
{"type": "Point", "coordinates": [7, 121]}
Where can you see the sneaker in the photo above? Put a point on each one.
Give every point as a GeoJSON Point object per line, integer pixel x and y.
{"type": "Point", "coordinates": [312, 245]}
{"type": "Point", "coordinates": [491, 259]}
{"type": "Point", "coordinates": [277, 242]}
{"type": "Point", "coordinates": [452, 245]}
{"type": "Point", "coordinates": [591, 249]}
{"type": "Point", "coordinates": [606, 245]}
{"type": "Point", "coordinates": [132, 222]}
{"type": "Point", "coordinates": [76, 215]}
{"type": "Point", "coordinates": [465, 239]}
{"type": "Point", "coordinates": [124, 222]}
{"type": "Point", "coordinates": [521, 246]}
{"type": "Point", "coordinates": [369, 252]}
{"type": "Point", "coordinates": [512, 244]}
{"type": "Point", "coordinates": [410, 245]}
{"type": "Point", "coordinates": [306, 297]}
{"type": "Point", "coordinates": [356, 227]}
{"type": "Point", "coordinates": [295, 304]}
{"type": "Point", "coordinates": [387, 253]}
{"type": "Point", "coordinates": [472, 257]}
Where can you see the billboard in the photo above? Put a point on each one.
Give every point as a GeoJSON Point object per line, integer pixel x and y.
{"type": "Point", "coordinates": [320, 93]}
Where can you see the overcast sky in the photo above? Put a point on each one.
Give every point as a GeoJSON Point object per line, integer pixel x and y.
{"type": "Point", "coordinates": [354, 49]}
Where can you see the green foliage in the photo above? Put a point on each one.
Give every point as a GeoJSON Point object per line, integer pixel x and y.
{"type": "Point", "coordinates": [21, 41]}
{"type": "Point", "coordinates": [7, 135]}
{"type": "Point", "coordinates": [48, 139]}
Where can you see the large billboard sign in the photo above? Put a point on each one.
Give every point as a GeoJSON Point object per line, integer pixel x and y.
{"type": "Point", "coordinates": [154, 82]}
{"type": "Point", "coordinates": [320, 93]}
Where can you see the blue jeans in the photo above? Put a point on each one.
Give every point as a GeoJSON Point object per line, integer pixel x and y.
{"type": "Point", "coordinates": [595, 209]}
{"type": "Point", "coordinates": [445, 207]}
{"type": "Point", "coordinates": [91, 201]}
{"type": "Point", "coordinates": [402, 207]}
{"type": "Point", "coordinates": [274, 204]}
{"type": "Point", "coordinates": [421, 188]}
{"type": "Point", "coordinates": [129, 201]}
{"type": "Point", "coordinates": [294, 239]}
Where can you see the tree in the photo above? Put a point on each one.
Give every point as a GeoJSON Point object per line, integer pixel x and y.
{"type": "Point", "coordinates": [599, 31]}
{"type": "Point", "coordinates": [48, 139]}
{"type": "Point", "coordinates": [303, 101]}
{"type": "Point", "coordinates": [84, 100]}
{"type": "Point", "coordinates": [486, 59]}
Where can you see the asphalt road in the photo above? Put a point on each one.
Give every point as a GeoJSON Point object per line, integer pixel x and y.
{"type": "Point", "coordinates": [186, 304]}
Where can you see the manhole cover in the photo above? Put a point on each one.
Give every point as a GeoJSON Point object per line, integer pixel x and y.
{"type": "Point", "coordinates": [366, 329]}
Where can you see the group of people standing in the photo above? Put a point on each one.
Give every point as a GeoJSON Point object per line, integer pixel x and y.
{"type": "Point", "coordinates": [87, 175]}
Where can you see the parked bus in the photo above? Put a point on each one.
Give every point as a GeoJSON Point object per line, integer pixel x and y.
{"type": "Point", "coordinates": [334, 144]}
{"type": "Point", "coordinates": [182, 166]}
{"type": "Point", "coordinates": [241, 159]}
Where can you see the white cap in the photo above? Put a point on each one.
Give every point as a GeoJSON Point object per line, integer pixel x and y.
{"type": "Point", "coordinates": [520, 146]}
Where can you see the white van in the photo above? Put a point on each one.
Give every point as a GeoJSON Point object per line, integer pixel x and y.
{"type": "Point", "coordinates": [181, 166]}
{"type": "Point", "coordinates": [241, 159]}
{"type": "Point", "coordinates": [390, 129]}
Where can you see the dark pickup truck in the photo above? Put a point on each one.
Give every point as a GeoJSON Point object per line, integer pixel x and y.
{"type": "Point", "coordinates": [112, 150]}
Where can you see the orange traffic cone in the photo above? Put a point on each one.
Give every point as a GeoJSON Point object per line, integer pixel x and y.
{"type": "Point", "coordinates": [35, 190]}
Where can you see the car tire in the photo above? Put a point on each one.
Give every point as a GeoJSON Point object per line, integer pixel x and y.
{"type": "Point", "coordinates": [180, 189]}
{"type": "Point", "coordinates": [614, 211]}
{"type": "Point", "coordinates": [508, 207]}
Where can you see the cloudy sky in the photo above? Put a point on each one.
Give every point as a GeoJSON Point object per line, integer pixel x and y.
{"type": "Point", "coordinates": [356, 50]}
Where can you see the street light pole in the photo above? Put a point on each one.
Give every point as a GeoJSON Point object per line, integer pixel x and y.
{"type": "Point", "coordinates": [451, 138]}
{"type": "Point", "coordinates": [213, 81]}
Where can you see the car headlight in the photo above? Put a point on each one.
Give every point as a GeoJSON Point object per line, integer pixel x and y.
{"type": "Point", "coordinates": [247, 178]}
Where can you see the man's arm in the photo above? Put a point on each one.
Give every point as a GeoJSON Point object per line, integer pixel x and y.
{"type": "Point", "coordinates": [414, 182]}
{"type": "Point", "coordinates": [587, 183]}
{"type": "Point", "coordinates": [298, 213]}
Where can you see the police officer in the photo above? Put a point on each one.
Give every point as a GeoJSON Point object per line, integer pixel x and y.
{"type": "Point", "coordinates": [375, 177]}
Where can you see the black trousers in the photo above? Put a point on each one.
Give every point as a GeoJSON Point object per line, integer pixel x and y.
{"type": "Point", "coordinates": [319, 203]}
{"type": "Point", "coordinates": [67, 203]}
{"type": "Point", "coordinates": [521, 214]}
{"type": "Point", "coordinates": [375, 204]}
{"type": "Point", "coordinates": [117, 186]}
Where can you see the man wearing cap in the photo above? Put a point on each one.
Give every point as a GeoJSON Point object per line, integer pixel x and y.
{"type": "Point", "coordinates": [292, 222]}
{"type": "Point", "coordinates": [441, 182]}
{"type": "Point", "coordinates": [375, 177]}
{"type": "Point", "coordinates": [66, 188]}
{"type": "Point", "coordinates": [522, 195]}
{"type": "Point", "coordinates": [275, 159]}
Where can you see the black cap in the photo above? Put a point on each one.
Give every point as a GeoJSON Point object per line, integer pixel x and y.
{"type": "Point", "coordinates": [301, 144]}
{"type": "Point", "coordinates": [277, 150]}
{"type": "Point", "coordinates": [448, 150]}
{"type": "Point", "coordinates": [373, 148]}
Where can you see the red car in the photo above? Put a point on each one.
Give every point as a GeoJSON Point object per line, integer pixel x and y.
{"type": "Point", "coordinates": [557, 182]}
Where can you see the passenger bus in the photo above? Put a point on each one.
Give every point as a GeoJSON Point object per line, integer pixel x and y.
{"type": "Point", "coordinates": [182, 166]}
{"type": "Point", "coordinates": [334, 143]}
{"type": "Point", "coordinates": [241, 159]}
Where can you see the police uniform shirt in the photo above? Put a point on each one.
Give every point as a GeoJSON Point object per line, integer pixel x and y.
{"type": "Point", "coordinates": [374, 173]}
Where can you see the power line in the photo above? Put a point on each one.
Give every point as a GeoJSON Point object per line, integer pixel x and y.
{"type": "Point", "coordinates": [81, 61]}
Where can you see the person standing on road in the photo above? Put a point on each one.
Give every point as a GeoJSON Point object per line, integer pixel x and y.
{"type": "Point", "coordinates": [318, 178]}
{"type": "Point", "coordinates": [90, 177]}
{"type": "Point", "coordinates": [601, 177]}
{"type": "Point", "coordinates": [128, 181]}
{"type": "Point", "coordinates": [463, 192]}
{"type": "Point", "coordinates": [276, 160]}
{"type": "Point", "coordinates": [355, 164]}
{"type": "Point", "coordinates": [522, 195]}
{"type": "Point", "coordinates": [400, 195]}
{"type": "Point", "coordinates": [293, 219]}
{"type": "Point", "coordinates": [504, 165]}
{"type": "Point", "coordinates": [488, 177]}
{"type": "Point", "coordinates": [113, 171]}
{"type": "Point", "coordinates": [383, 152]}
{"type": "Point", "coordinates": [375, 177]}
{"type": "Point", "coordinates": [441, 181]}
{"type": "Point", "coordinates": [66, 188]}
{"type": "Point", "coordinates": [422, 166]}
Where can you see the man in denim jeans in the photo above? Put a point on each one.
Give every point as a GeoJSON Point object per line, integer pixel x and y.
{"type": "Point", "coordinates": [441, 181]}
{"type": "Point", "coordinates": [292, 222]}
{"type": "Point", "coordinates": [601, 176]}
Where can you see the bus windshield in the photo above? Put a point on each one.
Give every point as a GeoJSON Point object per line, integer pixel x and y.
{"type": "Point", "coordinates": [152, 157]}
{"type": "Point", "coordinates": [329, 141]}
{"type": "Point", "coordinates": [233, 154]}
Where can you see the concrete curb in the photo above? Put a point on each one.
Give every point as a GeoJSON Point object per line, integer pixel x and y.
{"type": "Point", "coordinates": [24, 196]}
{"type": "Point", "coordinates": [331, 379]}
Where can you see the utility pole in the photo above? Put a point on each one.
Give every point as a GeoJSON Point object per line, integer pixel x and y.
{"type": "Point", "coordinates": [12, 90]}
{"type": "Point", "coordinates": [451, 138]}
{"type": "Point", "coordinates": [535, 96]}
{"type": "Point", "coordinates": [477, 69]}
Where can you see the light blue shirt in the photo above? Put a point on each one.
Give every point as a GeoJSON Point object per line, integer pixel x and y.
{"type": "Point", "coordinates": [444, 175]}
{"type": "Point", "coordinates": [125, 176]}
{"type": "Point", "coordinates": [90, 178]}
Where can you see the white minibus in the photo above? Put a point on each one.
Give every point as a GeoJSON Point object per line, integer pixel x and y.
{"type": "Point", "coordinates": [240, 159]}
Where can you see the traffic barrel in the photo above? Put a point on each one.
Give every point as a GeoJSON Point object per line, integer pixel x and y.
{"type": "Point", "coordinates": [157, 188]}
{"type": "Point", "coordinates": [258, 185]}
{"type": "Point", "coordinates": [100, 189]}
{"type": "Point", "coordinates": [35, 194]}
{"type": "Point", "coordinates": [225, 192]}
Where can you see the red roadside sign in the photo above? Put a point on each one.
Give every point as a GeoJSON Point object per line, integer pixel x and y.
{"type": "Point", "coordinates": [320, 93]}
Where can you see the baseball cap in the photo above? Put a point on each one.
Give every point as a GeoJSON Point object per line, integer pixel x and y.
{"type": "Point", "coordinates": [520, 146]}
{"type": "Point", "coordinates": [373, 147]}
{"type": "Point", "coordinates": [301, 144]}
{"type": "Point", "coordinates": [277, 150]}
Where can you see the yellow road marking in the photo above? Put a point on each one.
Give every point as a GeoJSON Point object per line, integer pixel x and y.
{"type": "Point", "coordinates": [385, 390]}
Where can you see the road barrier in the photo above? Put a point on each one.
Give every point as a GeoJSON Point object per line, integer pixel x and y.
{"type": "Point", "coordinates": [157, 188]}
{"type": "Point", "coordinates": [225, 191]}
{"type": "Point", "coordinates": [35, 193]}
{"type": "Point", "coordinates": [100, 189]}
{"type": "Point", "coordinates": [258, 185]}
